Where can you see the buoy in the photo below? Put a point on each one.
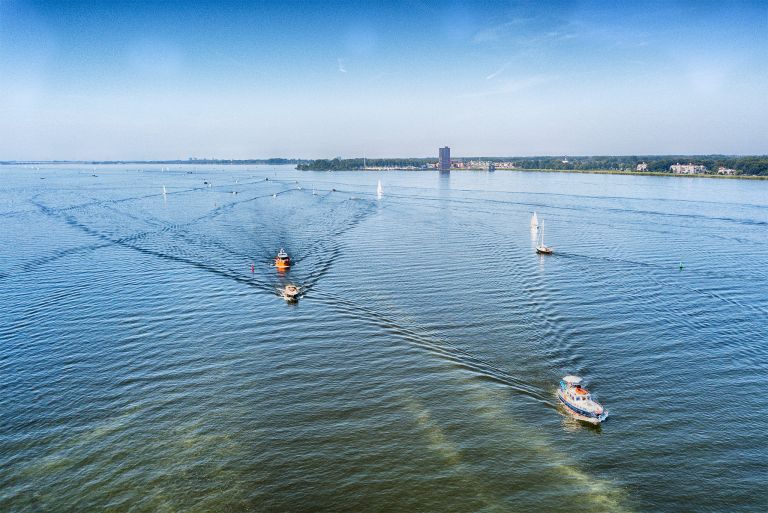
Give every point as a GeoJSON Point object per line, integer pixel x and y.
{"type": "Point", "coordinates": [253, 269]}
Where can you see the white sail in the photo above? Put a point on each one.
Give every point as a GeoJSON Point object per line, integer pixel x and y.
{"type": "Point", "coordinates": [534, 221]}
{"type": "Point", "coordinates": [379, 190]}
{"type": "Point", "coordinates": [164, 191]}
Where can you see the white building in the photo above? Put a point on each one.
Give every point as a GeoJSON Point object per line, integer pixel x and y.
{"type": "Point", "coordinates": [725, 171]}
{"type": "Point", "coordinates": [642, 167]}
{"type": "Point", "coordinates": [687, 169]}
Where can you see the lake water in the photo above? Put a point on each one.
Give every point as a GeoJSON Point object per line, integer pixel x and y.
{"type": "Point", "coordinates": [145, 367]}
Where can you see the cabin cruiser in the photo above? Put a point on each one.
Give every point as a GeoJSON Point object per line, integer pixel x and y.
{"type": "Point", "coordinates": [282, 261]}
{"type": "Point", "coordinates": [291, 293]}
{"type": "Point", "coordinates": [578, 401]}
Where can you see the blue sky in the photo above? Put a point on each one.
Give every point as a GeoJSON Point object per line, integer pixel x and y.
{"type": "Point", "coordinates": [151, 80]}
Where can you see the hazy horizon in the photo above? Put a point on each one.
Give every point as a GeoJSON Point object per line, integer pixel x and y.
{"type": "Point", "coordinates": [145, 81]}
{"type": "Point", "coordinates": [198, 160]}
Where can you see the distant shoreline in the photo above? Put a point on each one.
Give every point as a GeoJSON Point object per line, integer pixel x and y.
{"type": "Point", "coordinates": [295, 162]}
{"type": "Point", "coordinates": [526, 170]}
{"type": "Point", "coordinates": [641, 173]}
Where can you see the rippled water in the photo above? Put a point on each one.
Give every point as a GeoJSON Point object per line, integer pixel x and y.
{"type": "Point", "coordinates": [145, 367]}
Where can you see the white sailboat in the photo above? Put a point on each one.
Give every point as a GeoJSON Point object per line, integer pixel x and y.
{"type": "Point", "coordinates": [379, 190]}
{"type": "Point", "coordinates": [534, 221]}
{"type": "Point", "coordinates": [542, 248]}
{"type": "Point", "coordinates": [164, 191]}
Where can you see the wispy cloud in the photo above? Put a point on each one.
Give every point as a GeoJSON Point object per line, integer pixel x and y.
{"type": "Point", "coordinates": [497, 32]}
{"type": "Point", "coordinates": [498, 71]}
{"type": "Point", "coordinates": [341, 65]}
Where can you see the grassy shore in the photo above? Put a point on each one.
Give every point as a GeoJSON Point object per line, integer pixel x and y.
{"type": "Point", "coordinates": [636, 173]}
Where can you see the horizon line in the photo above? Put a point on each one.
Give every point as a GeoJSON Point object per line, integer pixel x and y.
{"type": "Point", "coordinates": [251, 159]}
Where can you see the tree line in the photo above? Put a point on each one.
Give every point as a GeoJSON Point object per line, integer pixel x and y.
{"type": "Point", "coordinates": [743, 165]}
{"type": "Point", "coordinates": [338, 164]}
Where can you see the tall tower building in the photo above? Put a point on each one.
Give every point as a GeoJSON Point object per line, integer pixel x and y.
{"type": "Point", "coordinates": [444, 163]}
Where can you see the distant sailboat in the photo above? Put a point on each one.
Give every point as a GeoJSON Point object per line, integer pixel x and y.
{"type": "Point", "coordinates": [313, 191]}
{"type": "Point", "coordinates": [379, 190]}
{"type": "Point", "coordinates": [542, 248]}
{"type": "Point", "coordinates": [534, 221]}
{"type": "Point", "coordinates": [164, 191]}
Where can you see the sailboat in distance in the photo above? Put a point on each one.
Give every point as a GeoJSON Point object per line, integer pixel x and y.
{"type": "Point", "coordinates": [379, 190]}
{"type": "Point", "coordinates": [542, 248]}
{"type": "Point", "coordinates": [534, 221]}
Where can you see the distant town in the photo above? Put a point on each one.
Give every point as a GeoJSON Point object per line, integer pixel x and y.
{"type": "Point", "coordinates": [694, 165]}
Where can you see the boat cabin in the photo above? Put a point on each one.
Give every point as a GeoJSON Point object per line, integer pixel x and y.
{"type": "Point", "coordinates": [578, 394]}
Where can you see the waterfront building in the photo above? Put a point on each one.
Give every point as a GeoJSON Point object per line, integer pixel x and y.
{"type": "Point", "coordinates": [725, 171]}
{"type": "Point", "coordinates": [445, 159]}
{"type": "Point", "coordinates": [687, 169]}
{"type": "Point", "coordinates": [642, 167]}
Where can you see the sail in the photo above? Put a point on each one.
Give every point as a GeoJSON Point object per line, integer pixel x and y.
{"type": "Point", "coordinates": [534, 221]}
{"type": "Point", "coordinates": [379, 190]}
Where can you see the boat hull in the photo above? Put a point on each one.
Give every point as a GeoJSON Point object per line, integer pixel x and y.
{"type": "Point", "coordinates": [291, 293]}
{"type": "Point", "coordinates": [580, 414]}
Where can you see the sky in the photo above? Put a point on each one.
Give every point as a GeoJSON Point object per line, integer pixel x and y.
{"type": "Point", "coordinates": [167, 80]}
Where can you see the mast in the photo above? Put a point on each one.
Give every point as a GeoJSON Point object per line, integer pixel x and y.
{"type": "Point", "coordinates": [541, 234]}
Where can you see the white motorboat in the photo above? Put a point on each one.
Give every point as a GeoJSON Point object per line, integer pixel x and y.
{"type": "Point", "coordinates": [579, 402]}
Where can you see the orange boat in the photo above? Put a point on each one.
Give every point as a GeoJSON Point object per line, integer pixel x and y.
{"type": "Point", "coordinates": [282, 261]}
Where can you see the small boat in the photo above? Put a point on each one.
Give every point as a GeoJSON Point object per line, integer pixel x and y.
{"type": "Point", "coordinates": [542, 248]}
{"type": "Point", "coordinates": [578, 401]}
{"type": "Point", "coordinates": [282, 261]}
{"type": "Point", "coordinates": [291, 293]}
{"type": "Point", "coordinates": [534, 221]}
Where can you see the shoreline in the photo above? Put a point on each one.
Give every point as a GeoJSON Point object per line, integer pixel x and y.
{"type": "Point", "coordinates": [581, 171]}
{"type": "Point", "coordinates": [642, 173]}
{"type": "Point", "coordinates": [523, 170]}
